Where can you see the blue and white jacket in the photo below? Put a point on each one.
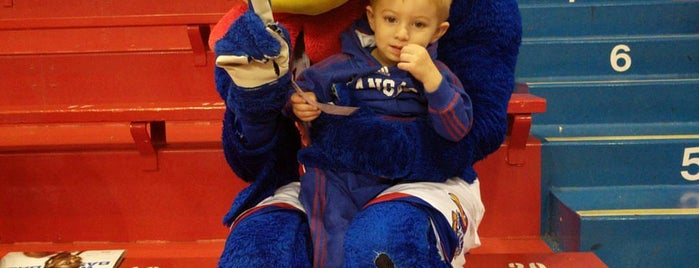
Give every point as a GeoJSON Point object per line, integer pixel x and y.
{"type": "Point", "coordinates": [355, 78]}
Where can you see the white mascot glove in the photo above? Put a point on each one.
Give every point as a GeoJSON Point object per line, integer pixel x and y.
{"type": "Point", "coordinates": [248, 71]}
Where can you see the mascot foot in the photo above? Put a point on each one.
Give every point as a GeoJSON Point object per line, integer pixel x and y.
{"type": "Point", "coordinates": [383, 261]}
{"type": "Point", "coordinates": [392, 234]}
{"type": "Point", "coordinates": [276, 238]}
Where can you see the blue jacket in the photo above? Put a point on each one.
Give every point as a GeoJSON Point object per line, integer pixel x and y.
{"type": "Point", "coordinates": [355, 78]}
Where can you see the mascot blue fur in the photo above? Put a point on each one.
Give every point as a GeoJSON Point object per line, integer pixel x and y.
{"type": "Point", "coordinates": [263, 146]}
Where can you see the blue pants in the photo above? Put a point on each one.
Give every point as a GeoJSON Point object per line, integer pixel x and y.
{"type": "Point", "coordinates": [332, 200]}
{"type": "Point", "coordinates": [409, 224]}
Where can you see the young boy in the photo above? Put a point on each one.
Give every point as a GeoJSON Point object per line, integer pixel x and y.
{"type": "Point", "coordinates": [410, 80]}
{"type": "Point", "coordinates": [392, 72]}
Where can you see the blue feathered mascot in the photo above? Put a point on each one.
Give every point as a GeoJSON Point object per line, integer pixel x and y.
{"type": "Point", "coordinates": [430, 216]}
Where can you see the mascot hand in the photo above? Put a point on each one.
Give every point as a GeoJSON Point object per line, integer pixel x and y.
{"type": "Point", "coordinates": [255, 50]}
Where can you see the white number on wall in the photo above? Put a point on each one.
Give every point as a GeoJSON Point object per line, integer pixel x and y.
{"type": "Point", "coordinates": [691, 158]}
{"type": "Point", "coordinates": [521, 265]}
{"type": "Point", "coordinates": [619, 55]}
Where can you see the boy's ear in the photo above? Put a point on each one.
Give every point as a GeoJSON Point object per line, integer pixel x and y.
{"type": "Point", "coordinates": [370, 16]}
{"type": "Point", "coordinates": [441, 30]}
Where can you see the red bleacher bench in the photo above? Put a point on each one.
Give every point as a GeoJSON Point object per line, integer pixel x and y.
{"type": "Point", "coordinates": [110, 131]}
{"type": "Point", "coordinates": [155, 91]}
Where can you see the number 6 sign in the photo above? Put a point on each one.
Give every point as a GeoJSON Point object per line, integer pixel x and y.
{"type": "Point", "coordinates": [616, 56]}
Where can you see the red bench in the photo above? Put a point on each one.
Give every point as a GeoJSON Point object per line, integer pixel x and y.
{"type": "Point", "coordinates": [110, 131]}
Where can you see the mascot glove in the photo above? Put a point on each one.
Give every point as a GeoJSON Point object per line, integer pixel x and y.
{"type": "Point", "coordinates": [255, 51]}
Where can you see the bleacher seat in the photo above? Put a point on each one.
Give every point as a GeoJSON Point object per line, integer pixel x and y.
{"type": "Point", "coordinates": [110, 130]}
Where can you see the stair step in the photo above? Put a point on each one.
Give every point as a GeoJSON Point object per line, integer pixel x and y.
{"type": "Point", "coordinates": [495, 252]}
{"type": "Point", "coordinates": [660, 199]}
{"type": "Point", "coordinates": [541, 260]}
{"type": "Point", "coordinates": [546, 18]}
{"type": "Point", "coordinates": [621, 161]}
{"type": "Point", "coordinates": [115, 195]}
{"type": "Point", "coordinates": [160, 254]}
{"type": "Point", "coordinates": [589, 103]}
{"type": "Point", "coordinates": [79, 8]}
{"type": "Point", "coordinates": [512, 245]}
{"type": "Point", "coordinates": [630, 226]}
{"type": "Point", "coordinates": [608, 58]}
{"type": "Point", "coordinates": [604, 40]}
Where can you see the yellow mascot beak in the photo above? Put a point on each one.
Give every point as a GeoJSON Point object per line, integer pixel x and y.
{"type": "Point", "coordinates": [305, 7]}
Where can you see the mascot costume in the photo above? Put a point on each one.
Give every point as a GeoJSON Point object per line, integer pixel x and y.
{"type": "Point", "coordinates": [257, 53]}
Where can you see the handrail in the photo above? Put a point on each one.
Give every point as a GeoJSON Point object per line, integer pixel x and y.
{"type": "Point", "coordinates": [119, 112]}
{"type": "Point", "coordinates": [109, 21]}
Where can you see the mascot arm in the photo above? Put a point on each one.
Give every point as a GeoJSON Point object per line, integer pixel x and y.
{"type": "Point", "coordinates": [482, 50]}
{"type": "Point", "coordinates": [252, 77]}
{"type": "Point", "coordinates": [259, 143]}
{"type": "Point", "coordinates": [255, 49]}
{"type": "Point", "coordinates": [398, 150]}
{"type": "Point", "coordinates": [253, 147]}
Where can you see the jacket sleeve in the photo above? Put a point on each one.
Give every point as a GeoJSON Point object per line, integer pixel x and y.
{"type": "Point", "coordinates": [450, 109]}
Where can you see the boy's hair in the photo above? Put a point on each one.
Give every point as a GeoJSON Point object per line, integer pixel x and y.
{"type": "Point", "coordinates": [442, 8]}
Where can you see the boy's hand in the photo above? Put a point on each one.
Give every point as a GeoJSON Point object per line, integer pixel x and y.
{"type": "Point", "coordinates": [416, 60]}
{"type": "Point", "coordinates": [304, 111]}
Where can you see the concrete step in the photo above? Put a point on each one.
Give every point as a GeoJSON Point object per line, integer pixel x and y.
{"type": "Point", "coordinates": [554, 18]}
{"type": "Point", "coordinates": [545, 260]}
{"type": "Point", "coordinates": [628, 226]}
{"type": "Point", "coordinates": [115, 195]}
{"type": "Point", "coordinates": [495, 252]}
{"type": "Point", "coordinates": [620, 161]}
{"type": "Point", "coordinates": [604, 40]}
{"type": "Point", "coordinates": [573, 106]}
{"type": "Point", "coordinates": [608, 58]}
{"type": "Point", "coordinates": [162, 254]}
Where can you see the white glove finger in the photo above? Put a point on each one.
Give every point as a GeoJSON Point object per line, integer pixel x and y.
{"type": "Point", "coordinates": [280, 61]}
{"type": "Point", "coordinates": [252, 75]}
{"type": "Point", "coordinates": [275, 32]}
{"type": "Point", "coordinates": [263, 9]}
{"type": "Point", "coordinates": [224, 61]}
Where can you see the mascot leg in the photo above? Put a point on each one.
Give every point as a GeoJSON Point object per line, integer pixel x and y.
{"type": "Point", "coordinates": [269, 238]}
{"type": "Point", "coordinates": [392, 234]}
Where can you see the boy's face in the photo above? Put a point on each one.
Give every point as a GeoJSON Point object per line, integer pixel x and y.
{"type": "Point", "coordinates": [397, 23]}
